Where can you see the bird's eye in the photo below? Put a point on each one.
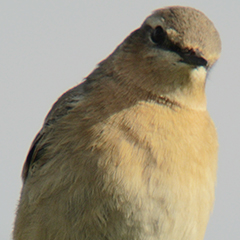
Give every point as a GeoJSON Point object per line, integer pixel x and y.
{"type": "Point", "coordinates": [158, 36]}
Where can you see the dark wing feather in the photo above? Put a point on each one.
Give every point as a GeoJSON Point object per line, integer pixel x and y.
{"type": "Point", "coordinates": [60, 108]}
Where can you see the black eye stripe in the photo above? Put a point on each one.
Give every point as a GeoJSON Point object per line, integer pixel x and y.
{"type": "Point", "coordinates": [190, 56]}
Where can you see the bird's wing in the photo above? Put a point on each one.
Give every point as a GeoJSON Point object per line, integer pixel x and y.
{"type": "Point", "coordinates": [61, 108]}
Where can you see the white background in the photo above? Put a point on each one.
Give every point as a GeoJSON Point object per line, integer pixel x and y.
{"type": "Point", "coordinates": [47, 47]}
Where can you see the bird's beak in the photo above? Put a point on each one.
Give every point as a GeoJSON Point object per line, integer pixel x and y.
{"type": "Point", "coordinates": [193, 57]}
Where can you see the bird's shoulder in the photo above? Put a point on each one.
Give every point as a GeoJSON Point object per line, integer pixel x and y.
{"type": "Point", "coordinates": [62, 107]}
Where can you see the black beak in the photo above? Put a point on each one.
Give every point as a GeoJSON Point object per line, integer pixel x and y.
{"type": "Point", "coordinates": [193, 58]}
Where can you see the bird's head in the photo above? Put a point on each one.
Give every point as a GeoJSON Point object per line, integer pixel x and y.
{"type": "Point", "coordinates": [170, 55]}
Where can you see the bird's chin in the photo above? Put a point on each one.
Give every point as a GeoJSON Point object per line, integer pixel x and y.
{"type": "Point", "coordinates": [198, 73]}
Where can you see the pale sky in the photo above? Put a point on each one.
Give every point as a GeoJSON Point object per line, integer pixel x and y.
{"type": "Point", "coordinates": [49, 46]}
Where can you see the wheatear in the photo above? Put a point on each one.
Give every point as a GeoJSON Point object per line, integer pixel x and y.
{"type": "Point", "coordinates": [130, 153]}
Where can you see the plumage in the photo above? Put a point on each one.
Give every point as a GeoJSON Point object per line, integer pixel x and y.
{"type": "Point", "coordinates": [130, 153]}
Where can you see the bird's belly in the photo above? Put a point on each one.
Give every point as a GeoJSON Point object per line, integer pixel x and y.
{"type": "Point", "coordinates": [163, 204]}
{"type": "Point", "coordinates": [163, 180]}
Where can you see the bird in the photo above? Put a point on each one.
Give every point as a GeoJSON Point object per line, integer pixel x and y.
{"type": "Point", "coordinates": [131, 152]}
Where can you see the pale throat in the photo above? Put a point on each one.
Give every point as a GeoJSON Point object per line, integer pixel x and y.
{"type": "Point", "coordinates": [193, 95]}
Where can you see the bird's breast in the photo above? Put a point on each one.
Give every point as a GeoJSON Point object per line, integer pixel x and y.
{"type": "Point", "coordinates": [160, 164]}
